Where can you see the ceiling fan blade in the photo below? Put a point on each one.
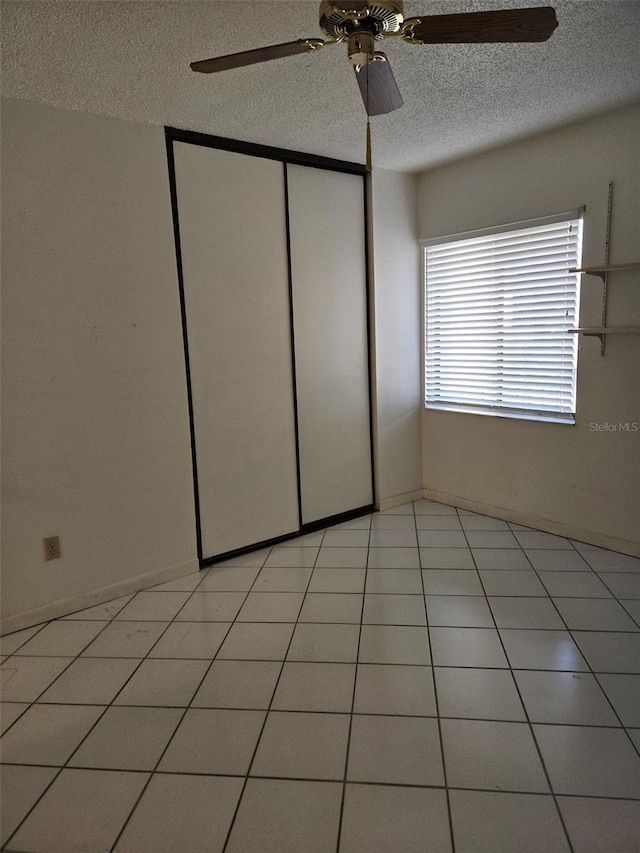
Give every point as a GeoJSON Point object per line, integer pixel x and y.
{"type": "Point", "coordinates": [378, 86]}
{"type": "Point", "coordinates": [260, 54]}
{"type": "Point", "coordinates": [505, 25]}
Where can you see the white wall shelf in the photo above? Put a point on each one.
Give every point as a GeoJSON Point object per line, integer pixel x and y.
{"type": "Point", "coordinates": [603, 273]}
{"type": "Point", "coordinates": [603, 270]}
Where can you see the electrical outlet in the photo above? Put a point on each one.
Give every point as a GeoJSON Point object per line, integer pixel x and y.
{"type": "Point", "coordinates": [51, 547]}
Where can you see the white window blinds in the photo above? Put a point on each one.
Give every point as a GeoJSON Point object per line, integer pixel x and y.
{"type": "Point", "coordinates": [499, 303]}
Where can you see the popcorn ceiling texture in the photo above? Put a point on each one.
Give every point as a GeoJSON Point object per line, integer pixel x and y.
{"type": "Point", "coordinates": [131, 59]}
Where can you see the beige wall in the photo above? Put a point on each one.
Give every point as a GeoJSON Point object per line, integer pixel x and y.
{"type": "Point", "coordinates": [95, 436]}
{"type": "Point", "coordinates": [95, 431]}
{"type": "Point", "coordinates": [397, 335]}
{"type": "Point", "coordinates": [569, 479]}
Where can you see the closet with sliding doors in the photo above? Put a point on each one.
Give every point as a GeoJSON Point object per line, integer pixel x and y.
{"type": "Point", "coordinates": [271, 253]}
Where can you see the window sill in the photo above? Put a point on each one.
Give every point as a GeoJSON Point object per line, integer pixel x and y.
{"type": "Point", "coordinates": [497, 413]}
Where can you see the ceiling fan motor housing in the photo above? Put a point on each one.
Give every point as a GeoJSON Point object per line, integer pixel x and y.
{"type": "Point", "coordinates": [339, 19]}
{"type": "Point", "coordinates": [360, 23]}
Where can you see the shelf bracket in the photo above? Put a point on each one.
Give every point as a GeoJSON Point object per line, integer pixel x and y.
{"type": "Point", "coordinates": [596, 335]}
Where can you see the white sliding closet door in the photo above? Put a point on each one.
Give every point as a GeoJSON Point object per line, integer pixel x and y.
{"type": "Point", "coordinates": [231, 212]}
{"type": "Point", "coordinates": [326, 215]}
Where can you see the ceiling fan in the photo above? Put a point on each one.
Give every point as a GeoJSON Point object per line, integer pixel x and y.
{"type": "Point", "coordinates": [361, 24]}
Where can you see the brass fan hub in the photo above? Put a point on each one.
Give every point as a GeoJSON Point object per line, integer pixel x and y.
{"type": "Point", "coordinates": [380, 18]}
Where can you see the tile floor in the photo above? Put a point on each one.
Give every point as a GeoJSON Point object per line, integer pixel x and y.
{"type": "Point", "coordinates": [423, 679]}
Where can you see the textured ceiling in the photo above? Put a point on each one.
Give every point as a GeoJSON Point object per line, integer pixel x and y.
{"type": "Point", "coordinates": [131, 59]}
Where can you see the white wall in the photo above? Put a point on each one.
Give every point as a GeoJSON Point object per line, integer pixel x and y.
{"type": "Point", "coordinates": [397, 301]}
{"type": "Point", "coordinates": [95, 424]}
{"type": "Point", "coordinates": [567, 479]}
{"type": "Point", "coordinates": [95, 431]}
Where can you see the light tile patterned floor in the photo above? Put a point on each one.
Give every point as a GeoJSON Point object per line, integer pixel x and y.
{"type": "Point", "coordinates": [423, 679]}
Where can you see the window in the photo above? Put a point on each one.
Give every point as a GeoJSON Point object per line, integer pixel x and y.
{"type": "Point", "coordinates": [499, 304]}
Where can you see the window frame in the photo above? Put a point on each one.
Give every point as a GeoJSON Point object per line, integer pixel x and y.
{"type": "Point", "coordinates": [496, 411]}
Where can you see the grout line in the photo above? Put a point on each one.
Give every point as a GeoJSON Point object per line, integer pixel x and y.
{"type": "Point", "coordinates": [564, 629]}
{"type": "Point", "coordinates": [315, 660]}
{"type": "Point", "coordinates": [178, 723]}
{"type": "Point", "coordinates": [437, 704]}
{"type": "Point", "coordinates": [526, 712]}
{"type": "Point", "coordinates": [334, 713]}
{"type": "Point", "coordinates": [617, 599]}
{"type": "Point", "coordinates": [30, 637]}
{"type": "Point", "coordinates": [590, 670]}
{"type": "Point", "coordinates": [189, 705]}
{"type": "Point", "coordinates": [267, 711]}
{"type": "Point", "coordinates": [63, 766]}
{"type": "Point", "coordinates": [72, 660]}
{"type": "Point", "coordinates": [410, 785]}
{"type": "Point", "coordinates": [353, 700]}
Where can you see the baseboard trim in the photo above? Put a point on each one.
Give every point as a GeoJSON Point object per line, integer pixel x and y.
{"type": "Point", "coordinates": [580, 534]}
{"type": "Point", "coordinates": [57, 609]}
{"type": "Point", "coordinates": [97, 596]}
{"type": "Point", "coordinates": [398, 500]}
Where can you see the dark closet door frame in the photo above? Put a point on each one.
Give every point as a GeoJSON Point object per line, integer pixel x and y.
{"type": "Point", "coordinates": [285, 157]}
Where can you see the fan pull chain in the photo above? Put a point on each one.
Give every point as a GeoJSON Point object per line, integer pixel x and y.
{"type": "Point", "coordinates": [368, 161]}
